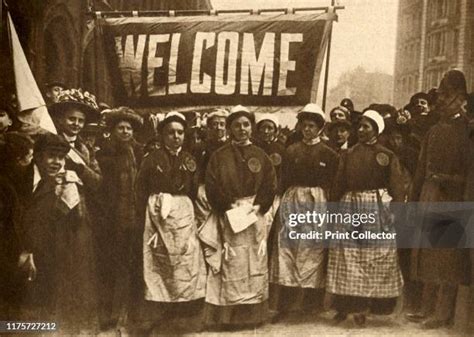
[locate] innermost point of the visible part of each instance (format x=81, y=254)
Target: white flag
x=31, y=104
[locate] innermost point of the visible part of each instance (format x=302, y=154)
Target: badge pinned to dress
x=254, y=165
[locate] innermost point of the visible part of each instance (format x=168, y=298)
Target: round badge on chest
x=254, y=165
x=382, y=159
x=190, y=164
x=275, y=158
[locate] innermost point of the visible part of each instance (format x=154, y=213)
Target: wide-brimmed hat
x=123, y=113
x=76, y=98
x=91, y=128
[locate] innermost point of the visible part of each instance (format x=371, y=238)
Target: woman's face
x=72, y=121
x=5, y=121
x=26, y=159
x=267, y=131
x=310, y=129
x=173, y=135
x=123, y=131
x=341, y=135
x=241, y=129
x=337, y=115
x=366, y=130
x=216, y=128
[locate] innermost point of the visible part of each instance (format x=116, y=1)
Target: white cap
x=268, y=117
x=218, y=113
x=377, y=118
x=314, y=109
x=239, y=108
x=176, y=114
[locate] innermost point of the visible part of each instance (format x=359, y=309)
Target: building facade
x=56, y=37
x=434, y=36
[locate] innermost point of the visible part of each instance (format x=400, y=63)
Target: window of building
x=455, y=43
x=437, y=44
x=439, y=9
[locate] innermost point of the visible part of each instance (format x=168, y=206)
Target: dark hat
x=51, y=142
x=91, y=128
x=76, y=98
x=239, y=111
x=114, y=116
x=385, y=110
x=17, y=144
x=55, y=83
x=173, y=116
x=419, y=95
x=391, y=125
x=454, y=82
x=347, y=103
x=340, y=123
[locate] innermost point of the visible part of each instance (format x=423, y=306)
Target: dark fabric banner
x=216, y=60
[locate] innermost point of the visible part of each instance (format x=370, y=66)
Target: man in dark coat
x=423, y=117
x=56, y=236
x=15, y=157
x=441, y=177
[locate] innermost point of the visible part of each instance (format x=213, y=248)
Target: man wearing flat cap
x=56, y=236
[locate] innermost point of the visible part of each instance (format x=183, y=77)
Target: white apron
x=174, y=268
x=238, y=272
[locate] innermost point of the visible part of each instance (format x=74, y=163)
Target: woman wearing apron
x=307, y=177
x=240, y=186
x=364, y=275
x=174, y=269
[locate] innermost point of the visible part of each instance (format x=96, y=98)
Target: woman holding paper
x=174, y=268
x=364, y=275
x=307, y=177
x=241, y=186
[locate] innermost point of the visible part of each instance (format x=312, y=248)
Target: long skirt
x=174, y=268
x=358, y=272
x=237, y=293
x=297, y=267
x=299, y=263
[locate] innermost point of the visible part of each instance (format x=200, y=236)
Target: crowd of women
x=101, y=231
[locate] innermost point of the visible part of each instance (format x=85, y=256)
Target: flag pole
x=328, y=57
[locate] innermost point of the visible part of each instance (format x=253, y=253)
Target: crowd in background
x=128, y=221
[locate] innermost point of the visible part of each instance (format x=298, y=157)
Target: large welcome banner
x=217, y=60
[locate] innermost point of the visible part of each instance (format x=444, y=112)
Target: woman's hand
x=27, y=265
